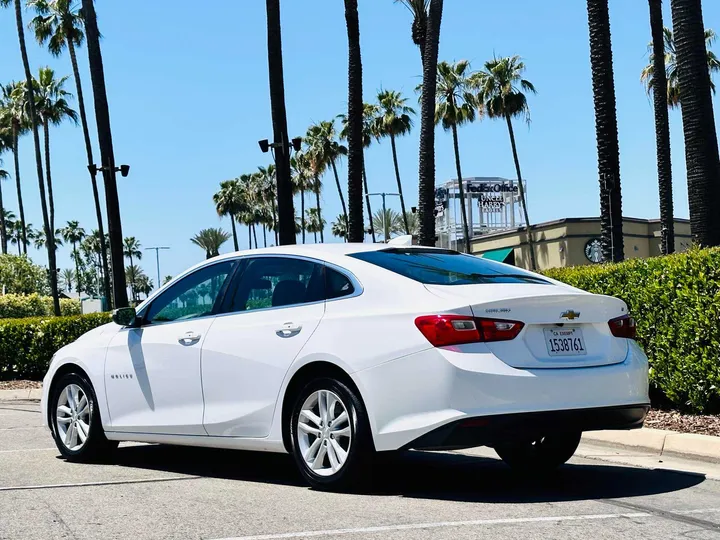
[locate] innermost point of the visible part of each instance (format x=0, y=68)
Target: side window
x=337, y=285
x=270, y=282
x=193, y=296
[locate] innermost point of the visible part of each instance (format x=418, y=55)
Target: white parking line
x=106, y=483
x=440, y=524
x=27, y=450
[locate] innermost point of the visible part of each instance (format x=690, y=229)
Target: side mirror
x=124, y=316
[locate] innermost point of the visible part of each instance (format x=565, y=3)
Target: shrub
x=676, y=301
x=27, y=345
x=19, y=306
x=19, y=275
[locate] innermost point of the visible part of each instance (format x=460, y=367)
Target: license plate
x=565, y=342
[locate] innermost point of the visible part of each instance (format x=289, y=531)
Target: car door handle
x=189, y=338
x=289, y=330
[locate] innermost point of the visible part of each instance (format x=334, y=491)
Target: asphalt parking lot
x=169, y=492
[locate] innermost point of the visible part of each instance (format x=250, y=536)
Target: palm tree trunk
x=286, y=226
x=3, y=228
x=302, y=214
x=93, y=174
x=662, y=130
x=340, y=193
x=51, y=201
x=132, y=279
x=426, y=183
x=49, y=234
x=399, y=184
x=356, y=230
x=317, y=205
x=255, y=235
x=77, y=269
x=367, y=201
x=606, y=130
x=102, y=117
x=234, y=233
x=461, y=189
x=523, y=200
x=21, y=207
x=264, y=235
x=249, y=236
x=701, y=147
x=275, y=224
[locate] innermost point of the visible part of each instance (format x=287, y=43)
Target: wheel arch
x=298, y=381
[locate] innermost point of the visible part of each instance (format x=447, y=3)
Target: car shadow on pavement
x=426, y=475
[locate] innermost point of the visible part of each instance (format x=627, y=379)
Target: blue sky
x=188, y=93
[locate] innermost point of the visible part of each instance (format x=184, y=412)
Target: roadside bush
x=27, y=345
x=18, y=306
x=676, y=301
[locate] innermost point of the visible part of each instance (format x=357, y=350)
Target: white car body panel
x=228, y=389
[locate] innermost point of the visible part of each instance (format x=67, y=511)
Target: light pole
x=157, y=260
x=385, y=223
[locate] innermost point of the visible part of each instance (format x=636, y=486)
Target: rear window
x=444, y=267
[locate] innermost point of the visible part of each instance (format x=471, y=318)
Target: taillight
x=623, y=327
x=444, y=330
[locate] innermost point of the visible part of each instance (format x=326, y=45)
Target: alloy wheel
x=324, y=433
x=73, y=417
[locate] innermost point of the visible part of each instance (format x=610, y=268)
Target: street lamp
x=157, y=260
x=385, y=223
x=294, y=144
x=124, y=170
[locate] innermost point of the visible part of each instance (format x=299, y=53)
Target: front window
x=445, y=267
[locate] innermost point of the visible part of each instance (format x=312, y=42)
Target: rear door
x=272, y=309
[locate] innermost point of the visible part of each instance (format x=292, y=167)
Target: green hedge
x=18, y=306
x=27, y=345
x=676, y=301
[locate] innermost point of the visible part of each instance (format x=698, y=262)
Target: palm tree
x=302, y=182
x=369, y=114
x=394, y=120
x=131, y=249
x=12, y=113
x=314, y=222
x=286, y=212
x=339, y=227
x=701, y=147
x=102, y=118
x=356, y=230
x=40, y=239
x=167, y=279
x=325, y=150
x=247, y=185
x=229, y=202
x=3, y=230
x=456, y=105
x=413, y=223
x=52, y=108
x=501, y=94
x=59, y=23
x=210, y=240
x=73, y=233
x=138, y=280
x=419, y=10
x=666, y=47
x=659, y=84
x=606, y=130
x=266, y=210
x=389, y=222
x=426, y=183
x=68, y=278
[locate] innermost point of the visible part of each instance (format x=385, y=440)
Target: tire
x=69, y=391
x=341, y=456
x=541, y=455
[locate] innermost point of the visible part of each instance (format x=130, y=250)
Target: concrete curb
x=21, y=395
x=660, y=442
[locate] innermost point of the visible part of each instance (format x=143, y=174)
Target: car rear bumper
x=413, y=396
x=503, y=428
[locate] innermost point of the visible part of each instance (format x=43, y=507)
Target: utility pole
x=386, y=232
x=157, y=260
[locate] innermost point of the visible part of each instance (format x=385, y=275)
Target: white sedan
x=336, y=353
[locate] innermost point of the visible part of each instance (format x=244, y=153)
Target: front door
x=272, y=310
x=152, y=373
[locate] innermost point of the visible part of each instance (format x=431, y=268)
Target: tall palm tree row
x=394, y=119
x=657, y=81
x=229, y=202
x=73, y=234
x=59, y=24
x=701, y=146
x=107, y=155
x=30, y=93
x=606, y=129
x=302, y=182
x=426, y=182
x=131, y=250
x=501, y=94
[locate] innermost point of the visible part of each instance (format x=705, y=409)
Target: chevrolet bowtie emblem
x=570, y=315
